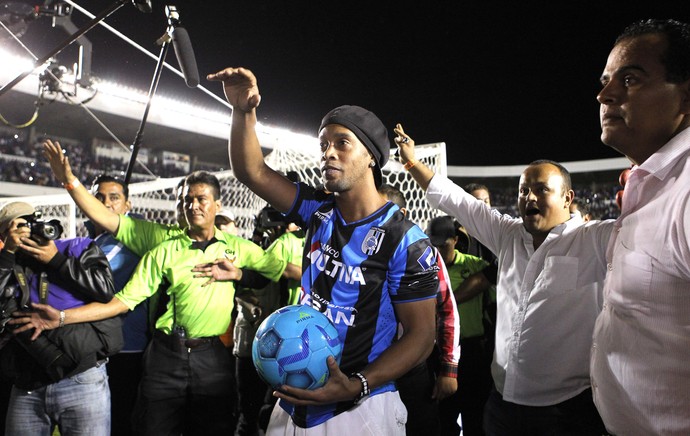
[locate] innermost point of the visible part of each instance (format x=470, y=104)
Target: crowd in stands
x=21, y=162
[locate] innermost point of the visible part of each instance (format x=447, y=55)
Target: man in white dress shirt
x=641, y=352
x=550, y=276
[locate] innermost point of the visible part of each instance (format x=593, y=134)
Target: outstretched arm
x=242, y=92
x=45, y=317
x=419, y=172
x=92, y=208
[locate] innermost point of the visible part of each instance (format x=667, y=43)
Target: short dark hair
x=567, y=183
x=206, y=178
x=393, y=194
x=222, y=220
x=583, y=205
x=471, y=187
x=104, y=178
x=676, y=59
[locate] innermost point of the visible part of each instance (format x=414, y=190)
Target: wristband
x=410, y=164
x=62, y=319
x=71, y=185
x=365, y=387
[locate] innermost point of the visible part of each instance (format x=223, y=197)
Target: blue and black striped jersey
x=355, y=273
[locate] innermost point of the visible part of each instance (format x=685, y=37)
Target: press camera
x=49, y=230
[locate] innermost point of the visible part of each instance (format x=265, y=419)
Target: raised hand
x=59, y=162
x=405, y=144
x=240, y=86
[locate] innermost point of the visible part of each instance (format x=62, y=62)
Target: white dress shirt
x=641, y=351
x=547, y=299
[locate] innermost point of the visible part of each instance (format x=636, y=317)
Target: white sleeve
x=480, y=221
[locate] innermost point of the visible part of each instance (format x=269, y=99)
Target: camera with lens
x=49, y=230
x=269, y=217
x=11, y=300
x=44, y=351
x=269, y=224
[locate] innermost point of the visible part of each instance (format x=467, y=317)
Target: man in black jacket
x=60, y=378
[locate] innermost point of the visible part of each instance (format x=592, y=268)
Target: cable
x=146, y=52
x=21, y=126
x=69, y=97
x=41, y=99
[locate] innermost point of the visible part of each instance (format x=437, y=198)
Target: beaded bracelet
x=365, y=387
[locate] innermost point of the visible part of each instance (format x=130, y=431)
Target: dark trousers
x=185, y=389
x=124, y=374
x=574, y=417
x=5, y=389
x=415, y=390
x=251, y=394
x=474, y=385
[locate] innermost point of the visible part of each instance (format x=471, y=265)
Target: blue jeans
x=79, y=405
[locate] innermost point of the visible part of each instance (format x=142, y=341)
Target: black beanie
x=368, y=128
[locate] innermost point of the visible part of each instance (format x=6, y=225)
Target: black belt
x=197, y=342
x=176, y=342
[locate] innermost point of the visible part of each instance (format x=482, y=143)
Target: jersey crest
x=373, y=240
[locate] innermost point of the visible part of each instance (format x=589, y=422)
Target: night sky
x=499, y=82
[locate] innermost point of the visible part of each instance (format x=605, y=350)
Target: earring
x=372, y=164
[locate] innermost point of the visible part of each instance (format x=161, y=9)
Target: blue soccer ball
x=292, y=345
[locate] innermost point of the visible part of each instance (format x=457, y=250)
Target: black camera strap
x=43, y=288
x=24, y=285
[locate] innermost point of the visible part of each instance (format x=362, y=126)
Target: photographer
x=60, y=378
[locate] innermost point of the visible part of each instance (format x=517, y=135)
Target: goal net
x=155, y=200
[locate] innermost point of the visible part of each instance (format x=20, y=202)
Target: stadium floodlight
x=14, y=64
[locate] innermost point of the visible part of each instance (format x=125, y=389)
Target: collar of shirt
x=660, y=163
x=201, y=245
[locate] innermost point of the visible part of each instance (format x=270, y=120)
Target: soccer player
x=365, y=266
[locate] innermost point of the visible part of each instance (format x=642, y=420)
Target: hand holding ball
x=291, y=347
